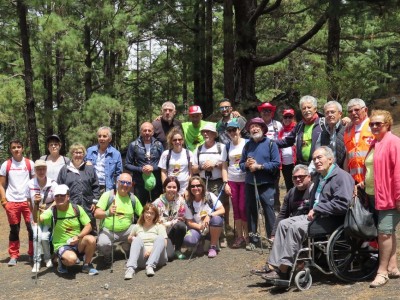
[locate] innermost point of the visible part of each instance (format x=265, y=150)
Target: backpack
x=169, y=158
x=28, y=166
x=65, y=161
x=201, y=147
x=208, y=201
x=77, y=214
x=111, y=200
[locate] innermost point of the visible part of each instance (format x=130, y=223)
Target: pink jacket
x=387, y=171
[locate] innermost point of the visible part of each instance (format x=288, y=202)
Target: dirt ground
x=224, y=277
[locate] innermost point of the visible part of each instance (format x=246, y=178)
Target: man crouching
x=71, y=228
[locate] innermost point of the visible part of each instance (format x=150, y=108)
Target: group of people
x=174, y=188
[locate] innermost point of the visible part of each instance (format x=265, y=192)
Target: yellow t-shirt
x=369, y=176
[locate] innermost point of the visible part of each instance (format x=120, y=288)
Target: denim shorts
x=387, y=221
x=64, y=248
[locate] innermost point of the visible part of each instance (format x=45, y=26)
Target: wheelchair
x=331, y=251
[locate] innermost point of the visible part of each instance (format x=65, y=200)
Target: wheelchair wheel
x=348, y=260
x=303, y=280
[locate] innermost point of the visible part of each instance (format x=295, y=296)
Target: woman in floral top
x=171, y=207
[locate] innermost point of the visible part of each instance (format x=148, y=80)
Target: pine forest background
x=68, y=67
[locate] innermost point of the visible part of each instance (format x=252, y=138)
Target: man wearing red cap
x=192, y=129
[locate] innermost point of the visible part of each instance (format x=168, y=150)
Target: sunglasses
x=196, y=186
x=288, y=117
x=231, y=129
x=301, y=177
x=177, y=140
x=123, y=182
x=376, y=124
x=222, y=108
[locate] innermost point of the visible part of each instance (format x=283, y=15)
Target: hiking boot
x=107, y=261
x=251, y=247
x=129, y=273
x=212, y=252
x=12, y=262
x=49, y=263
x=200, y=249
x=89, y=269
x=149, y=271
x=61, y=268
x=36, y=267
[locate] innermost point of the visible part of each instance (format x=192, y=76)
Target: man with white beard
x=260, y=160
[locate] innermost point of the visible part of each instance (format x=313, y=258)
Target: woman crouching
x=148, y=242
x=203, y=213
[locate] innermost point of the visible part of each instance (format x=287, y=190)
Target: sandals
x=264, y=270
x=394, y=274
x=380, y=280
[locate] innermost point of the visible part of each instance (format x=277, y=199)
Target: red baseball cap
x=287, y=112
x=195, y=109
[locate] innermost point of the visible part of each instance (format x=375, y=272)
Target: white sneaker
x=36, y=267
x=149, y=271
x=49, y=263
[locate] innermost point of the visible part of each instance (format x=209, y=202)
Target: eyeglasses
x=177, y=140
x=231, y=129
x=123, y=182
x=222, y=108
x=266, y=111
x=301, y=177
x=355, y=110
x=288, y=117
x=192, y=186
x=376, y=124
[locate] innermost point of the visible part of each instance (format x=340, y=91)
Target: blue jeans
x=267, y=193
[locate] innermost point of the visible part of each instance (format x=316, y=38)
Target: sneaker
x=12, y=262
x=49, y=263
x=129, y=273
x=223, y=243
x=149, y=271
x=212, y=252
x=36, y=267
x=179, y=255
x=89, y=269
x=61, y=268
x=251, y=247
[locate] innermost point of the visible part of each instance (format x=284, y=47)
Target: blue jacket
x=113, y=165
x=263, y=154
x=136, y=158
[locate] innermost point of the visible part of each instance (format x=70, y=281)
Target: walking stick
x=37, y=241
x=112, y=241
x=258, y=202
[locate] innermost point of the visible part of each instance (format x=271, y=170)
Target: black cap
x=53, y=137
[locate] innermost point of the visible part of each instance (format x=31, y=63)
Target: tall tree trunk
x=229, y=91
x=22, y=11
x=246, y=44
x=208, y=70
x=88, y=62
x=184, y=79
x=333, y=53
x=48, y=86
x=197, y=88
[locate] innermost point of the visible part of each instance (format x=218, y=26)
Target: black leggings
x=176, y=235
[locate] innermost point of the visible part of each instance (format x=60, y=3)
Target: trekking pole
x=258, y=202
x=207, y=174
x=36, y=242
x=212, y=210
x=112, y=241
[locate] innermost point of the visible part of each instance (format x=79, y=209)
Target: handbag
x=359, y=220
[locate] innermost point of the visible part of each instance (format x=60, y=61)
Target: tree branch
x=258, y=12
x=272, y=7
x=285, y=52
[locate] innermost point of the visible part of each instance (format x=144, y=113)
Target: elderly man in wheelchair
x=329, y=202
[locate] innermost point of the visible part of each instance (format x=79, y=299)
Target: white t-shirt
x=212, y=155
x=235, y=154
x=18, y=178
x=53, y=168
x=178, y=166
x=201, y=206
x=272, y=133
x=33, y=188
x=287, y=153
